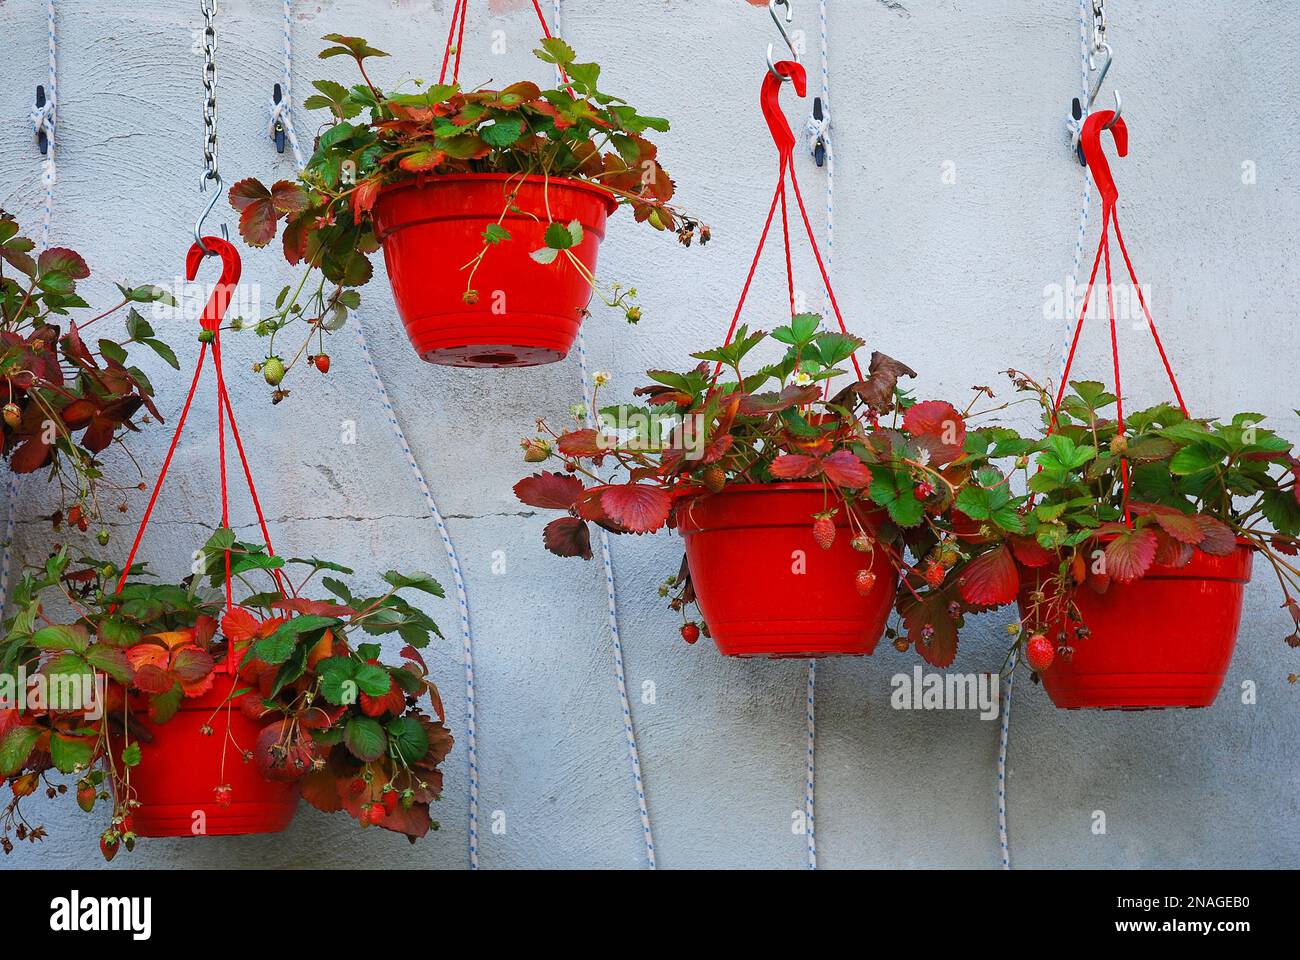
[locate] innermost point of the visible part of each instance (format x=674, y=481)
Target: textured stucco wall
x=948, y=276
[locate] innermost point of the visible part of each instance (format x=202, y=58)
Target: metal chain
x=1098, y=25
x=209, y=9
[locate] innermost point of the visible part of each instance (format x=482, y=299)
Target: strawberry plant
x=67, y=399
x=355, y=732
x=867, y=443
x=1056, y=502
x=374, y=139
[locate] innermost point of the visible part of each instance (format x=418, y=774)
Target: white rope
x=1009, y=681
x=1008, y=684
x=1085, y=202
x=453, y=560
x=819, y=131
x=45, y=120
x=282, y=112
x=471, y=713
x=611, y=591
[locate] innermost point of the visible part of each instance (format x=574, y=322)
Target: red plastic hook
x=1090, y=139
x=770, y=100
x=231, y=267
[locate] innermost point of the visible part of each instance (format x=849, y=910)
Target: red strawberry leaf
x=844, y=469
x=568, y=537
x=63, y=260
x=247, y=192
x=410, y=653
x=931, y=628
x=317, y=608
x=289, y=199
x=991, y=580
x=152, y=679
x=939, y=428
x=550, y=491
x=1218, y=538
x=1181, y=526
x=582, y=443
x=1293, y=608
x=1030, y=553
x=638, y=507
x=257, y=223
x=238, y=625
x=1130, y=555
x=765, y=404
x=791, y=466
x=1172, y=553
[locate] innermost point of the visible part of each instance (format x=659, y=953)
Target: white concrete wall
x=947, y=276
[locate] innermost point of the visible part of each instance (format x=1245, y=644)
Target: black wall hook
x=819, y=148
x=42, y=140
x=1076, y=111
x=277, y=133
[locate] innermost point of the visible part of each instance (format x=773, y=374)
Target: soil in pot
x=521, y=312
x=767, y=589
x=1164, y=640
x=181, y=767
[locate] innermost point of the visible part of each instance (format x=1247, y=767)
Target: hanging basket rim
x=427, y=181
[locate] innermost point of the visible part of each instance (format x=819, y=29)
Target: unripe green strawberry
x=273, y=371
x=13, y=415
x=85, y=795
x=535, y=450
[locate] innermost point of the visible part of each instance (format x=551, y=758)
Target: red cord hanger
x=784, y=138
x=1090, y=140
x=456, y=40
x=210, y=321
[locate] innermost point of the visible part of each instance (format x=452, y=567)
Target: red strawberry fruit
x=863, y=581
x=376, y=814
x=690, y=632
x=934, y=574
x=322, y=362
x=108, y=844
x=224, y=794
x=824, y=530
x=1039, y=652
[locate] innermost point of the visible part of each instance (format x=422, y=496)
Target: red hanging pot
x=526, y=313
x=764, y=586
x=1164, y=640
x=180, y=765
x=181, y=768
